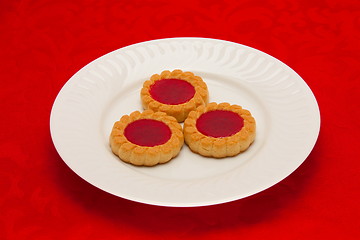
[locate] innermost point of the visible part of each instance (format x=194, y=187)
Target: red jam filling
x=147, y=132
x=219, y=123
x=172, y=91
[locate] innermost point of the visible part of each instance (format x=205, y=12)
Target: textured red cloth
x=43, y=43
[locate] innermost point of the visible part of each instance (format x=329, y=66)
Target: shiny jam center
x=147, y=132
x=219, y=123
x=172, y=91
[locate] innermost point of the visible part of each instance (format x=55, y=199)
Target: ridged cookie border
x=179, y=111
x=142, y=155
x=219, y=147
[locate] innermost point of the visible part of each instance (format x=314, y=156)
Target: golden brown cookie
x=219, y=130
x=176, y=93
x=146, y=138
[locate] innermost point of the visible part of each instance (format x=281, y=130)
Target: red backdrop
x=43, y=43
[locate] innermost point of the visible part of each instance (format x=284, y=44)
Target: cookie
x=176, y=93
x=146, y=139
x=219, y=130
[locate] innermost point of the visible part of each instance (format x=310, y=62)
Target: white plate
x=284, y=107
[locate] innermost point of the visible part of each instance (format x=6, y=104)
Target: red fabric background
x=43, y=43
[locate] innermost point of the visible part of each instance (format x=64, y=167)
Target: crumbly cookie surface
x=179, y=111
x=138, y=155
x=219, y=147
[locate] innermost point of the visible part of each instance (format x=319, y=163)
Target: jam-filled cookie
x=176, y=93
x=219, y=130
x=146, y=138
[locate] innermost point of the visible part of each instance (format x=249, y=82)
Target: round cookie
x=176, y=93
x=147, y=138
x=219, y=130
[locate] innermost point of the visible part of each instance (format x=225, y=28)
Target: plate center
x=188, y=165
